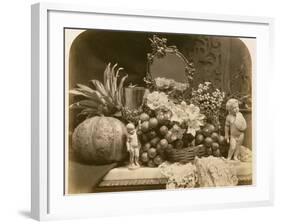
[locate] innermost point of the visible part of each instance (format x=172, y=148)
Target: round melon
x=100, y=140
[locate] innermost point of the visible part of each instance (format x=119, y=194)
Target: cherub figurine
x=235, y=125
x=133, y=146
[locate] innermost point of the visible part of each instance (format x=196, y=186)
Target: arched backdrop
x=225, y=61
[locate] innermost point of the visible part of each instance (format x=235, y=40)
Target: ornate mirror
x=167, y=62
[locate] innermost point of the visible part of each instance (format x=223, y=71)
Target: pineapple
x=105, y=99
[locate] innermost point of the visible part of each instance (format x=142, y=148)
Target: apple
x=150, y=163
x=215, y=136
x=208, y=129
x=199, y=139
x=152, y=134
x=159, y=150
x=158, y=160
x=153, y=123
x=221, y=140
x=168, y=136
x=144, y=117
x=146, y=147
x=215, y=146
x=160, y=118
x=211, y=128
x=145, y=126
x=208, y=142
x=163, y=130
x=154, y=141
x=152, y=153
x=164, y=143
x=144, y=157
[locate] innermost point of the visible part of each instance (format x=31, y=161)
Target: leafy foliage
x=105, y=98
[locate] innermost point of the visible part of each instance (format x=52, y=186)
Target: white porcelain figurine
x=133, y=146
x=235, y=125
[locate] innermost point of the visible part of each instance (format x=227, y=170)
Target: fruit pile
x=158, y=135
x=213, y=142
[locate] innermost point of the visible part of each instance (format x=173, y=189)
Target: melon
x=100, y=140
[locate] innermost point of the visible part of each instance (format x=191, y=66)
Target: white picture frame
x=48, y=200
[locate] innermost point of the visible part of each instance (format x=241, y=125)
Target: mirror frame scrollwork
x=160, y=50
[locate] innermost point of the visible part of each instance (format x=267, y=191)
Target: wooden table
x=82, y=178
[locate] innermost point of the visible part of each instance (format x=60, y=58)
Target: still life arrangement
x=193, y=134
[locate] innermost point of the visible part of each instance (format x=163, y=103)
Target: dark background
x=225, y=61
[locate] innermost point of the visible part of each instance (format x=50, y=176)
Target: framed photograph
x=162, y=111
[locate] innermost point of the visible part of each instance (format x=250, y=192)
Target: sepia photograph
x=156, y=111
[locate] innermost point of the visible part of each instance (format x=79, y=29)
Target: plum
x=153, y=123
x=146, y=147
x=208, y=142
x=155, y=141
x=215, y=146
x=215, y=136
x=144, y=117
x=164, y=143
x=199, y=139
x=163, y=130
x=158, y=160
x=145, y=126
x=152, y=153
x=144, y=157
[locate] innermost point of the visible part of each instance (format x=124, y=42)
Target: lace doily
x=179, y=175
x=214, y=171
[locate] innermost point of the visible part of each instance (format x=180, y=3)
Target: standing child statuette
x=235, y=125
x=133, y=146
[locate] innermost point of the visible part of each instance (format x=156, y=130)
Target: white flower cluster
x=157, y=100
x=180, y=86
x=208, y=99
x=189, y=115
x=177, y=131
x=163, y=84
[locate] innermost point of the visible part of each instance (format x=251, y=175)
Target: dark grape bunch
x=214, y=143
x=158, y=135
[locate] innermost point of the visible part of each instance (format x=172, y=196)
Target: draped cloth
x=84, y=178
